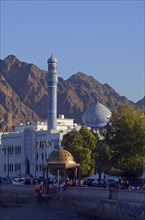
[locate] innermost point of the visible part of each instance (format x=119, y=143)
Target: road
x=39, y=212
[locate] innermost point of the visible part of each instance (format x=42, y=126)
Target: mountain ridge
x=29, y=85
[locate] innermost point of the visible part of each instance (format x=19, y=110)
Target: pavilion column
x=75, y=175
x=58, y=177
x=79, y=176
x=65, y=174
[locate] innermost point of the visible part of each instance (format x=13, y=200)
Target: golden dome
x=61, y=156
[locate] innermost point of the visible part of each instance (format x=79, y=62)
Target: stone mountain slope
x=28, y=86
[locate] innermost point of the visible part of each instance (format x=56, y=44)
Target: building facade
x=25, y=151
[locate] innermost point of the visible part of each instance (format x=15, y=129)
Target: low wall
x=106, y=203
x=17, y=195
x=109, y=204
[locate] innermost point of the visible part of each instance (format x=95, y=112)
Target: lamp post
x=8, y=151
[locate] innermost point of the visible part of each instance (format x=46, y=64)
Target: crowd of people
x=122, y=183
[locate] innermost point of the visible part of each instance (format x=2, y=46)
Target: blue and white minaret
x=52, y=81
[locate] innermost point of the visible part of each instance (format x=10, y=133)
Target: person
x=117, y=185
x=33, y=182
x=119, y=180
x=126, y=184
x=67, y=182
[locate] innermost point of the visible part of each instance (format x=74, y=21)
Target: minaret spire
x=52, y=81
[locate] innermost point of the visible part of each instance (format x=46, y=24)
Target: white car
x=18, y=181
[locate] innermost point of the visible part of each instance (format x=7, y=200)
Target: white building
x=27, y=149
x=61, y=125
x=24, y=151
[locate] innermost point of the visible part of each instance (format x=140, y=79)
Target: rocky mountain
x=23, y=91
x=141, y=103
x=11, y=103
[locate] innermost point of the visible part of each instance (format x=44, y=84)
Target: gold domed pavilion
x=60, y=159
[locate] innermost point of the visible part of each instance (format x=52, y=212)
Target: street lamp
x=8, y=151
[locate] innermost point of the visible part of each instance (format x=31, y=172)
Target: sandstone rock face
x=23, y=91
x=10, y=103
x=141, y=103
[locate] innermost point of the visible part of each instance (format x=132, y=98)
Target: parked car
x=90, y=181
x=18, y=181
x=111, y=182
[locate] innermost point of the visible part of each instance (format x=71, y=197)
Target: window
x=11, y=167
x=5, y=167
x=17, y=149
x=17, y=166
x=42, y=144
x=37, y=144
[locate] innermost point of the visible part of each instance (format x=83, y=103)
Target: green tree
x=123, y=147
x=82, y=145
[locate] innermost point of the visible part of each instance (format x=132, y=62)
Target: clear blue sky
x=104, y=39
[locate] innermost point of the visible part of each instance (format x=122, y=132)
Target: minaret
x=52, y=80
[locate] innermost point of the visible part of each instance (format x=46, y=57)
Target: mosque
x=25, y=151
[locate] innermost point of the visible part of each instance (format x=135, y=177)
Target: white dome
x=96, y=116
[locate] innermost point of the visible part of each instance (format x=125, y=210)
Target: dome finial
x=52, y=53
x=52, y=59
